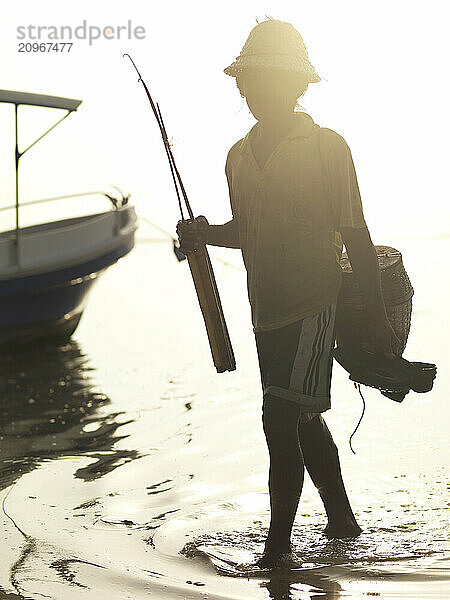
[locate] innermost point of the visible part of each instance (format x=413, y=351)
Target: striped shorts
x=295, y=362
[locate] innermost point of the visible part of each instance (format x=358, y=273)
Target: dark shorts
x=295, y=362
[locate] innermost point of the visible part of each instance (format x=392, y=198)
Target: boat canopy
x=18, y=98
x=13, y=97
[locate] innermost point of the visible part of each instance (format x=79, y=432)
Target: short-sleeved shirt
x=289, y=215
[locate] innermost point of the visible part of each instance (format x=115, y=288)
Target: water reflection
x=49, y=409
x=287, y=586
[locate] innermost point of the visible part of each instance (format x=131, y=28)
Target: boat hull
x=57, y=330
x=49, y=303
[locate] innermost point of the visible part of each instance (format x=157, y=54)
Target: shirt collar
x=303, y=128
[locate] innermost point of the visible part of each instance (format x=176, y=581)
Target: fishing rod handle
x=192, y=233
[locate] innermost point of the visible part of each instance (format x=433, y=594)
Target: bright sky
x=383, y=66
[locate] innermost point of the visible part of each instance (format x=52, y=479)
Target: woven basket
x=352, y=318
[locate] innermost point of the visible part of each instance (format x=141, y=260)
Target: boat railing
x=54, y=242
x=15, y=253
x=116, y=202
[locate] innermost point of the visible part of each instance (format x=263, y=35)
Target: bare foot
x=344, y=528
x=278, y=560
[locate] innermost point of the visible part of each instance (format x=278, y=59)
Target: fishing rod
x=199, y=261
x=173, y=168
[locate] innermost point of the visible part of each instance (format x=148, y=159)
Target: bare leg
x=280, y=422
x=322, y=463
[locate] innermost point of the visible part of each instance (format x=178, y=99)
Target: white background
x=384, y=82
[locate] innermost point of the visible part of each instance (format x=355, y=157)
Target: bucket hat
x=274, y=44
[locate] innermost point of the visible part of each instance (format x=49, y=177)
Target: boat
x=48, y=269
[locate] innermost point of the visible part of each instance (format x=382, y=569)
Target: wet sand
x=131, y=469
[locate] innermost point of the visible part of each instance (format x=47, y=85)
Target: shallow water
x=131, y=469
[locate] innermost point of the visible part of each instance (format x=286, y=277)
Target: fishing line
x=358, y=386
x=172, y=170
x=173, y=167
x=9, y=516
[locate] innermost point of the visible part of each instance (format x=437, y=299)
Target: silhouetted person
x=294, y=198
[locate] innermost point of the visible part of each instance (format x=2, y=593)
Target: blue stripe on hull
x=46, y=304
x=38, y=281
x=43, y=299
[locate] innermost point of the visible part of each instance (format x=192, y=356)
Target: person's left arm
x=350, y=222
x=363, y=259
